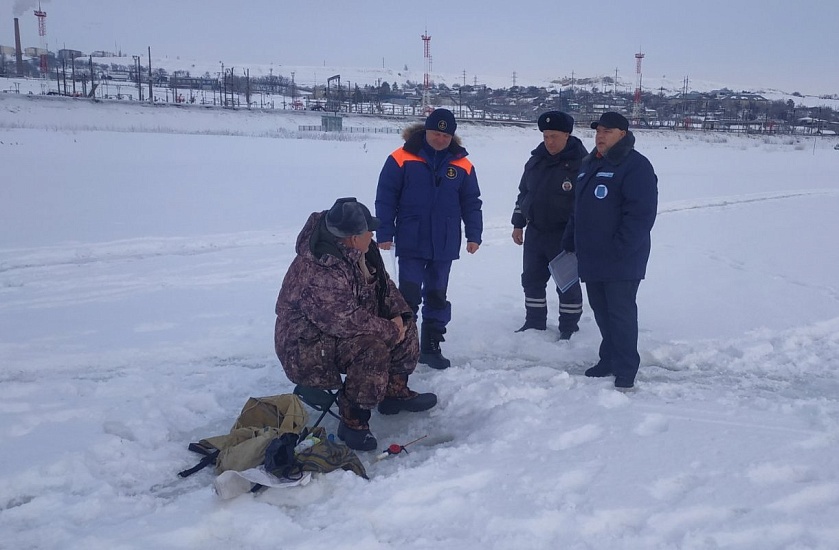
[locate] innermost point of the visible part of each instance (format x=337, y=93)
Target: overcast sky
x=739, y=43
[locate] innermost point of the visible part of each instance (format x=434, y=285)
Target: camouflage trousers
x=368, y=362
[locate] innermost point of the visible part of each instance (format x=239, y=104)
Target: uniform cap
x=441, y=120
x=611, y=120
x=556, y=120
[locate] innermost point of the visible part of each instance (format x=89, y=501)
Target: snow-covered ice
x=141, y=251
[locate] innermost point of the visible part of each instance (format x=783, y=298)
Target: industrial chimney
x=18, y=50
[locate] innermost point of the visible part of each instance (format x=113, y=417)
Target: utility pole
x=248, y=87
x=229, y=88
x=90, y=70
x=137, y=72
x=222, y=91
x=151, y=91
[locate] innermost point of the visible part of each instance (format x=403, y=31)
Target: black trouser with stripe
x=540, y=247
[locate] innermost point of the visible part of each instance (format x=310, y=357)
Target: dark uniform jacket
x=326, y=297
x=546, y=190
x=616, y=202
x=423, y=196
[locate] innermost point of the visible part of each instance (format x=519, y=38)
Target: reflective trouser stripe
x=571, y=308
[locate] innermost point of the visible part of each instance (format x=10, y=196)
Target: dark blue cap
x=441, y=120
x=611, y=120
x=556, y=120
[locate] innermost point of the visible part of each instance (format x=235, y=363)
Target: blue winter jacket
x=615, y=209
x=423, y=197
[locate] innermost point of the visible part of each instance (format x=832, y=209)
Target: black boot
x=599, y=370
x=430, y=353
x=535, y=325
x=354, y=429
x=566, y=334
x=401, y=398
x=536, y=316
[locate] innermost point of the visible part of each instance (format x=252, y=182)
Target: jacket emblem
x=451, y=173
x=605, y=175
x=601, y=191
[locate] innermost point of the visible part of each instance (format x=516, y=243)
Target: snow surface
x=141, y=251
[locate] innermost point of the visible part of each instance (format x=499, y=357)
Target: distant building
x=192, y=83
x=7, y=50
x=117, y=74
x=743, y=100
x=35, y=52
x=67, y=55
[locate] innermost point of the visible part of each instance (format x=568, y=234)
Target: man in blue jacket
x=616, y=202
x=427, y=192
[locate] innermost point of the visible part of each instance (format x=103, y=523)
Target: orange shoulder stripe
x=463, y=163
x=401, y=156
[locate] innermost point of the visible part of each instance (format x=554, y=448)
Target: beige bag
x=244, y=448
x=284, y=412
x=262, y=420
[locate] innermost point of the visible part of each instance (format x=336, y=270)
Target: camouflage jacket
x=325, y=297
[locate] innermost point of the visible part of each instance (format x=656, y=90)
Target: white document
x=563, y=269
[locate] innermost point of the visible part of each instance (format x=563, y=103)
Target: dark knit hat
x=348, y=217
x=441, y=120
x=556, y=120
x=611, y=120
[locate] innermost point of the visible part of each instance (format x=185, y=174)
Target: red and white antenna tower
x=426, y=82
x=636, y=107
x=42, y=33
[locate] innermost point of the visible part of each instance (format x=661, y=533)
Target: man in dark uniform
x=544, y=205
x=616, y=201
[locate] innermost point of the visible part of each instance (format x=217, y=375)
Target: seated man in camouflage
x=338, y=312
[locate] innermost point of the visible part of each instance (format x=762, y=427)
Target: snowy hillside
x=309, y=76
x=141, y=251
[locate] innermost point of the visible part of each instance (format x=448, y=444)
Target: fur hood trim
x=413, y=129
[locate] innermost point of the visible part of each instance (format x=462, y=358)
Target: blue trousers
x=616, y=313
x=540, y=247
x=425, y=282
